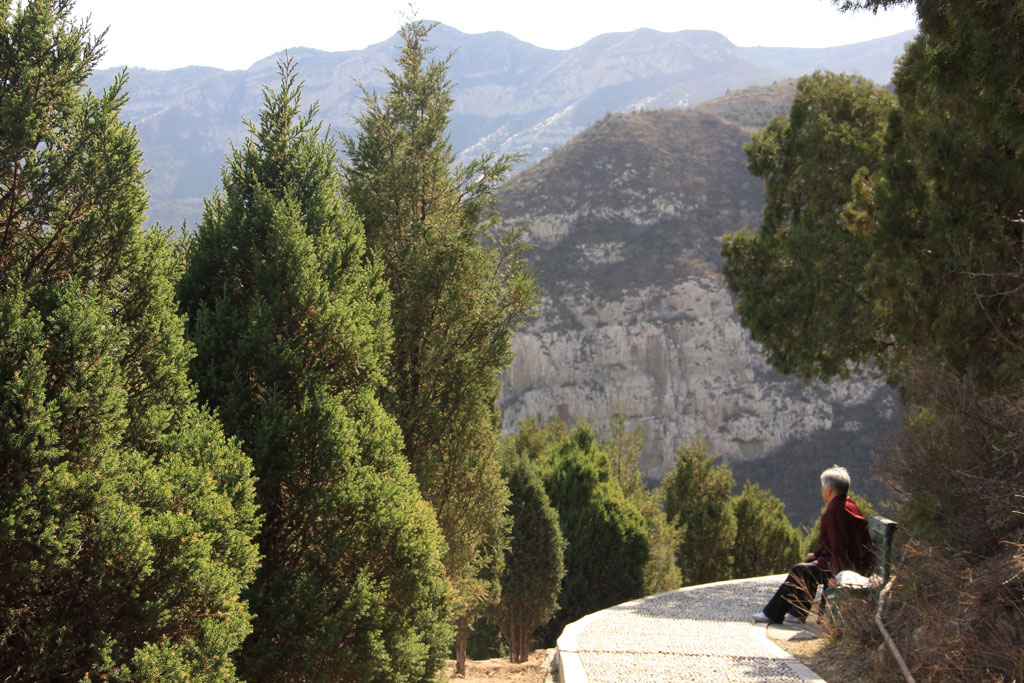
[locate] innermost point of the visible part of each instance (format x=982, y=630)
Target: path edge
x=570, y=667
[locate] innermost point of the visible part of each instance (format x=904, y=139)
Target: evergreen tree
x=974, y=52
x=943, y=215
x=456, y=298
x=291, y=330
x=800, y=278
x=661, y=573
x=697, y=503
x=766, y=543
x=892, y=225
x=936, y=222
x=534, y=565
x=127, y=516
x=607, y=546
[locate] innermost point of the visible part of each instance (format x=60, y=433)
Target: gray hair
x=837, y=478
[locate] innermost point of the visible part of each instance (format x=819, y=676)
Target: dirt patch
x=503, y=671
x=836, y=660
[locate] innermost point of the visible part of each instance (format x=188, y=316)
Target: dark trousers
x=797, y=592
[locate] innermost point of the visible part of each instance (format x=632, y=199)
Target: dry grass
x=834, y=660
x=959, y=620
x=950, y=623
x=957, y=607
x=501, y=670
x=850, y=649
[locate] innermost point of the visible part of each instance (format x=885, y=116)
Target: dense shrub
x=697, y=503
x=766, y=543
x=958, y=604
x=126, y=516
x=661, y=573
x=607, y=546
x=534, y=565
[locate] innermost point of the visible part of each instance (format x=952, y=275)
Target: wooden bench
x=882, y=530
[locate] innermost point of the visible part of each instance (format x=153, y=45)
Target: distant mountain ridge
x=510, y=96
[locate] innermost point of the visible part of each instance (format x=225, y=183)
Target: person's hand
x=832, y=582
x=809, y=557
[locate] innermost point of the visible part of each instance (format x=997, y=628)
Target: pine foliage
x=534, y=560
x=292, y=330
x=661, y=573
x=457, y=294
x=607, y=542
x=800, y=280
x=926, y=234
x=127, y=516
x=766, y=542
x=697, y=503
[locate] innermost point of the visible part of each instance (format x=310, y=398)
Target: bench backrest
x=882, y=530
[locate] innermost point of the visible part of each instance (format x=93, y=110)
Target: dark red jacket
x=845, y=540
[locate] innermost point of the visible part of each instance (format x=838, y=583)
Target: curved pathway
x=699, y=633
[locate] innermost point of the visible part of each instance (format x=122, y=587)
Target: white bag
x=851, y=579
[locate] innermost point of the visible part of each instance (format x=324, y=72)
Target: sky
x=233, y=34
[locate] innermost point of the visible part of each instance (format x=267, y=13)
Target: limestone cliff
x=635, y=317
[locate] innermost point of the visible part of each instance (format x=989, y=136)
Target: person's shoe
x=762, y=618
x=791, y=618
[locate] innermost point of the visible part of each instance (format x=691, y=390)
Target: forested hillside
x=271, y=447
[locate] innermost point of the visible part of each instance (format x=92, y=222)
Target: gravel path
x=701, y=633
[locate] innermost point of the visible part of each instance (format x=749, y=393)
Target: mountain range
x=510, y=96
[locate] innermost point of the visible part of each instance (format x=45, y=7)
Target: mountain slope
x=635, y=317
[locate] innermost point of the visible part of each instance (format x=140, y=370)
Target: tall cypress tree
x=534, y=561
x=606, y=537
x=126, y=516
x=766, y=543
x=456, y=298
x=291, y=329
x=697, y=503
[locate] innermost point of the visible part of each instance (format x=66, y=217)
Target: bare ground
x=839, y=659
x=503, y=671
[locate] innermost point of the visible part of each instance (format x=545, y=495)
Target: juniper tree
x=457, y=294
x=800, y=278
x=606, y=537
x=697, y=503
x=661, y=573
x=291, y=329
x=127, y=523
x=892, y=223
x=534, y=560
x=766, y=543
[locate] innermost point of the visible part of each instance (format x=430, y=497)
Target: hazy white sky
x=232, y=34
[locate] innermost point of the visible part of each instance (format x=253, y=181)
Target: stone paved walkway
x=701, y=633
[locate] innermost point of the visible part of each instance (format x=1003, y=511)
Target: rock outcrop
x=635, y=316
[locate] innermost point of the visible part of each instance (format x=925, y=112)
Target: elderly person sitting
x=845, y=544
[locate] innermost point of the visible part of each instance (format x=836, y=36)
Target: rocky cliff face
x=635, y=317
